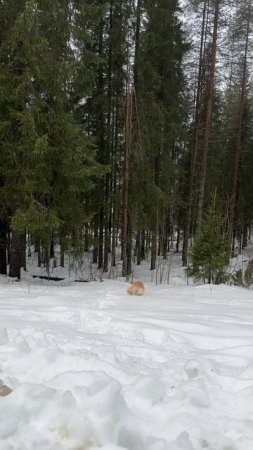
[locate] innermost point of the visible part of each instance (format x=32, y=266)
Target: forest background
x=126, y=124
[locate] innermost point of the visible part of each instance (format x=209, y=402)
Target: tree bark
x=194, y=147
x=208, y=118
x=100, y=238
x=238, y=144
x=125, y=212
x=15, y=254
x=23, y=251
x=3, y=247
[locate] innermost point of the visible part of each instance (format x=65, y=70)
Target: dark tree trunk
x=238, y=144
x=100, y=238
x=178, y=240
x=245, y=236
x=137, y=44
x=52, y=248
x=125, y=211
x=143, y=241
x=15, y=254
x=86, y=238
x=46, y=255
x=138, y=248
x=114, y=229
x=23, y=251
x=129, y=248
x=194, y=148
x=3, y=248
x=62, y=252
x=106, y=231
x=95, y=242
x=208, y=118
x=153, y=251
x=39, y=255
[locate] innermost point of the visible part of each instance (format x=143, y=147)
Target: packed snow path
x=93, y=368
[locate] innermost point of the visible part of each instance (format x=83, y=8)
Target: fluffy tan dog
x=136, y=288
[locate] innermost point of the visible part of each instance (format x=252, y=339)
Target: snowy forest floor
x=93, y=368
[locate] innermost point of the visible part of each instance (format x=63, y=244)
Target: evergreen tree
x=47, y=160
x=162, y=112
x=209, y=254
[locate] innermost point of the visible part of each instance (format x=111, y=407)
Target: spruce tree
x=47, y=159
x=209, y=254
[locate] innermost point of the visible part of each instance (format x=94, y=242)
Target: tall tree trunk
x=108, y=141
x=238, y=144
x=208, y=118
x=194, y=147
x=114, y=222
x=129, y=247
x=95, y=240
x=137, y=44
x=106, y=228
x=125, y=211
x=100, y=238
x=101, y=140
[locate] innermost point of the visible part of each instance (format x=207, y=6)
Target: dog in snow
x=136, y=288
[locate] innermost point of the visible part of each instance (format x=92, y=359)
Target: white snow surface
x=93, y=368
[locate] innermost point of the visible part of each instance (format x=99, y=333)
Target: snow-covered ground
x=93, y=368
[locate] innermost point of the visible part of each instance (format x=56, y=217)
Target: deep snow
x=93, y=368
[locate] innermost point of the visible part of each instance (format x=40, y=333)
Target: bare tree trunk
x=15, y=254
x=143, y=242
x=23, y=251
x=39, y=255
x=208, y=119
x=129, y=247
x=194, y=148
x=238, y=143
x=95, y=240
x=46, y=256
x=125, y=212
x=137, y=44
x=3, y=247
x=245, y=236
x=62, y=255
x=153, y=251
x=114, y=224
x=100, y=238
x=101, y=140
x=106, y=228
x=52, y=248
x=108, y=142
x=138, y=247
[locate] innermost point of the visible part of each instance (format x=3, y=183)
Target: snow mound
x=90, y=370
